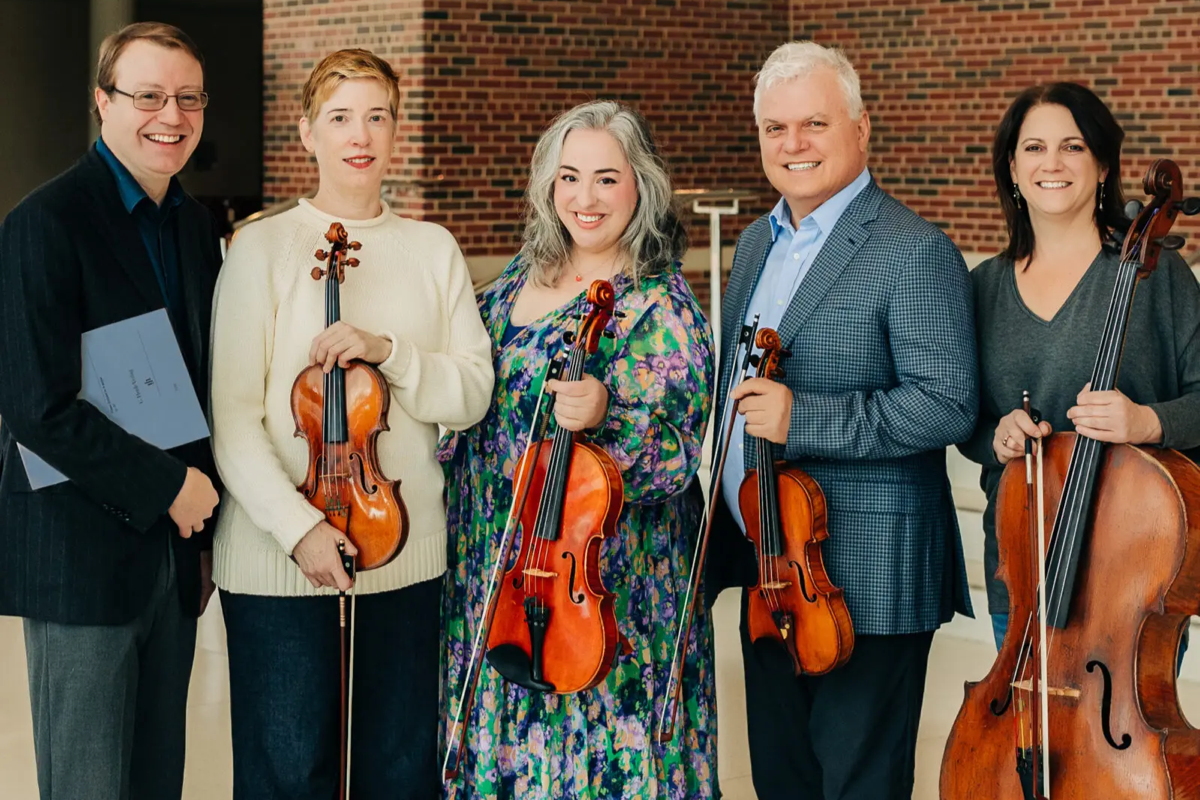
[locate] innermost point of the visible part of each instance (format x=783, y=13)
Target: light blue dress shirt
x=788, y=261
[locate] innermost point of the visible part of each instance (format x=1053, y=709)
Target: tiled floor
x=960, y=652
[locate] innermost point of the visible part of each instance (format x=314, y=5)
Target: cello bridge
x=539, y=573
x=1027, y=686
x=776, y=586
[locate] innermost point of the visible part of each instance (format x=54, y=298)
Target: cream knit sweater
x=412, y=288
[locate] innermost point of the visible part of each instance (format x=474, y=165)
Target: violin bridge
x=1026, y=686
x=539, y=573
x=776, y=585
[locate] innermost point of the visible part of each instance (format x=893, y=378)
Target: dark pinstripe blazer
x=884, y=377
x=87, y=551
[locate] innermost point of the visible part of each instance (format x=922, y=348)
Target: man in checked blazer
x=109, y=569
x=874, y=304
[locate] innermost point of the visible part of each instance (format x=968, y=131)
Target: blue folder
x=134, y=373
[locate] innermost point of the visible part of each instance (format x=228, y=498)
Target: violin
x=549, y=623
x=340, y=414
x=1100, y=552
x=793, y=604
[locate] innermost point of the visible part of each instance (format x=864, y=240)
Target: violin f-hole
x=368, y=487
x=576, y=598
x=1106, y=707
x=803, y=584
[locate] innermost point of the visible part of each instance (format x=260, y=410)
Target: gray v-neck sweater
x=1053, y=360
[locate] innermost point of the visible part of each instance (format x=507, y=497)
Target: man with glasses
x=111, y=568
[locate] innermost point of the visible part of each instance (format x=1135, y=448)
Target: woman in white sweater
x=409, y=309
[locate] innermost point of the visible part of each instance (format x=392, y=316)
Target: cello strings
x=1081, y=464
x=1088, y=451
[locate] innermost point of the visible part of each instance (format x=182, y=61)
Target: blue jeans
x=1000, y=626
x=284, y=678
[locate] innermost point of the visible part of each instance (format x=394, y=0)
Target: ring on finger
x=1005, y=442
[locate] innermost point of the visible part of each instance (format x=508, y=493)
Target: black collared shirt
x=159, y=227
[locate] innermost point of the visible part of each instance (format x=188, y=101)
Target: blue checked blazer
x=883, y=373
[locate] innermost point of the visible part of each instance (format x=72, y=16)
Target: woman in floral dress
x=600, y=207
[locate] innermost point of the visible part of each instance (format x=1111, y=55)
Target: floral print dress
x=599, y=743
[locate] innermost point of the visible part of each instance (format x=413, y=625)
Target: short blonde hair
x=345, y=65
x=798, y=60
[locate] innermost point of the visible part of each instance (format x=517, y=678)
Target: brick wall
x=937, y=77
x=482, y=79
x=297, y=34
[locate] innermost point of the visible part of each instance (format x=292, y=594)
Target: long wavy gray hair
x=655, y=237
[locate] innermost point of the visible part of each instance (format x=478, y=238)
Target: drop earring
x=1102, y=196
x=1016, y=194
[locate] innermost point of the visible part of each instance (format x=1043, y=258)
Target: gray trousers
x=110, y=701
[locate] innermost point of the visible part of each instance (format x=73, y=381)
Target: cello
x=549, y=623
x=1100, y=551
x=340, y=414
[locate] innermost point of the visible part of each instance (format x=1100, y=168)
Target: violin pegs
x=569, y=337
x=352, y=262
x=355, y=245
x=619, y=314
x=754, y=359
x=317, y=273
x=321, y=254
x=609, y=335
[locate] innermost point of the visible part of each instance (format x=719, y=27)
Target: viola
x=340, y=414
x=1100, y=552
x=549, y=623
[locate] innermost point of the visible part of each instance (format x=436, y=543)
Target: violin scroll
x=769, y=361
x=335, y=258
x=601, y=297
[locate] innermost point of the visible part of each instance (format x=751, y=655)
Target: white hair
x=798, y=60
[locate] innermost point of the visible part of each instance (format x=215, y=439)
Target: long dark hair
x=1103, y=135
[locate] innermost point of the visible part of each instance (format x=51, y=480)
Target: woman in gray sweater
x=1040, y=305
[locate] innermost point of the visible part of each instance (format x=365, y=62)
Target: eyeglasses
x=156, y=101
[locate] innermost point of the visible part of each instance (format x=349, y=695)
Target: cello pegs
x=1190, y=206
x=1170, y=242
x=317, y=273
